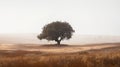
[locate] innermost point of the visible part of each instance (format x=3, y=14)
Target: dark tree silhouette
x=56, y=31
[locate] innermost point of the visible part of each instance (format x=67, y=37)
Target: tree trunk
x=58, y=42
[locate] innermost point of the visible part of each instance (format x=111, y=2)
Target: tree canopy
x=56, y=31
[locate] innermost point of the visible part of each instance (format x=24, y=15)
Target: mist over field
x=75, y=40
x=95, y=25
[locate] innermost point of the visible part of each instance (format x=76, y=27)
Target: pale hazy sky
x=99, y=17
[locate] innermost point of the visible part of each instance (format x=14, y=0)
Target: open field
x=94, y=55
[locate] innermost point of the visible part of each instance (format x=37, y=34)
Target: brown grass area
x=106, y=57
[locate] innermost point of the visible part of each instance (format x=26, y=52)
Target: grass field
x=104, y=57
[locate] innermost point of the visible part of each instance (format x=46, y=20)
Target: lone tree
x=56, y=31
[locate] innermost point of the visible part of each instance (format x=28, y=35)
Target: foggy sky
x=96, y=17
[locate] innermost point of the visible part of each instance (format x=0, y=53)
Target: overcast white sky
x=96, y=17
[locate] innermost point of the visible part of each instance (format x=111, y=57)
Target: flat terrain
x=56, y=49
x=33, y=55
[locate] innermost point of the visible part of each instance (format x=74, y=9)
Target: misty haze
x=75, y=40
x=59, y=33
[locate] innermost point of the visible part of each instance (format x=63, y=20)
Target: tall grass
x=86, y=59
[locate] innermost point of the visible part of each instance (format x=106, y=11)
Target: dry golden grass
x=109, y=57
x=105, y=57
